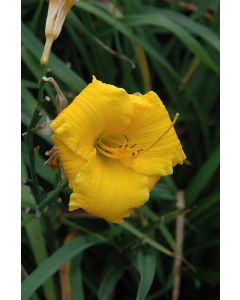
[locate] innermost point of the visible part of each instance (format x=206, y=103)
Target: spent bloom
x=114, y=147
x=57, y=11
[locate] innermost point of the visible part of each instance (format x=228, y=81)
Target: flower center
x=115, y=149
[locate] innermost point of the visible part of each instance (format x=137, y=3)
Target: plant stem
x=145, y=238
x=52, y=195
x=179, y=232
x=35, y=118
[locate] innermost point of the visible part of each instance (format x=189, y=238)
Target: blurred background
x=172, y=48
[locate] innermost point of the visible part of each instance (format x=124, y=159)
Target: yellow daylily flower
x=114, y=147
x=57, y=11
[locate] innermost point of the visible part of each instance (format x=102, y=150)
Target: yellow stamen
x=102, y=151
x=105, y=147
x=115, y=142
x=117, y=153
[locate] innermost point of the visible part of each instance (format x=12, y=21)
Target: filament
x=164, y=133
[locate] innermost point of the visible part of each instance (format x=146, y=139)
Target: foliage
x=164, y=46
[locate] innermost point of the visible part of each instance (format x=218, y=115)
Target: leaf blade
x=54, y=262
x=146, y=265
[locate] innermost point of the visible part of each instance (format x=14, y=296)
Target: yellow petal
x=149, y=122
x=99, y=109
x=71, y=162
x=107, y=189
x=152, y=180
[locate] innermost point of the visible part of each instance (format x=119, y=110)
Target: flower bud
x=57, y=11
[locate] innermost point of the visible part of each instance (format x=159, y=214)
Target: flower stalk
x=29, y=136
x=52, y=195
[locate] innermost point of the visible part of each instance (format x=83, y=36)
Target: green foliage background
x=175, y=50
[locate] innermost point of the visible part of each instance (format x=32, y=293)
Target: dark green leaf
x=146, y=264
x=54, y=262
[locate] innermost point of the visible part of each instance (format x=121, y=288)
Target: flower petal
x=152, y=180
x=107, y=189
x=99, y=109
x=151, y=120
x=70, y=161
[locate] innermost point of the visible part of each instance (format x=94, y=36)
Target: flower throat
x=116, y=150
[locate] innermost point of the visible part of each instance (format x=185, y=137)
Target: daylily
x=114, y=147
x=57, y=11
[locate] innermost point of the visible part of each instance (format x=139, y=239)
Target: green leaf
x=44, y=171
x=37, y=241
x=146, y=265
x=190, y=42
x=110, y=280
x=203, y=176
x=76, y=278
x=28, y=105
x=51, y=265
x=23, y=276
x=66, y=75
x=193, y=27
x=162, y=227
x=166, y=217
x=127, y=226
x=205, y=205
x=121, y=27
x=162, y=192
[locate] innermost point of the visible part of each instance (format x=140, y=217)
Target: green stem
x=35, y=119
x=52, y=195
x=127, y=226
x=83, y=229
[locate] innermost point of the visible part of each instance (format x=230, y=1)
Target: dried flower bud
x=53, y=160
x=61, y=99
x=44, y=128
x=57, y=11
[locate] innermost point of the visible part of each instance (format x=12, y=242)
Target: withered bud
x=57, y=11
x=53, y=160
x=61, y=99
x=44, y=128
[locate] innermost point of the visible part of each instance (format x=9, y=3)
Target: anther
x=118, y=151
